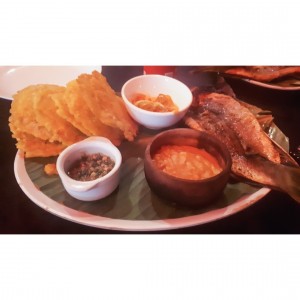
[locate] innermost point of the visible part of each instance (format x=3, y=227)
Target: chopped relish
x=161, y=103
x=91, y=167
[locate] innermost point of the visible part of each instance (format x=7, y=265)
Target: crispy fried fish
x=243, y=123
x=254, y=156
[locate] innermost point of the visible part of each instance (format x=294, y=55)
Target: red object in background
x=162, y=70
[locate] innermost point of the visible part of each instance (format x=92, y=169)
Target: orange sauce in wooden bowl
x=186, y=162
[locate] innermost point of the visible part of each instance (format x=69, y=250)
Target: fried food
x=46, y=118
x=45, y=109
x=76, y=98
x=244, y=124
x=107, y=107
x=63, y=111
x=254, y=156
x=264, y=73
x=50, y=169
x=23, y=117
x=35, y=125
x=35, y=147
x=258, y=73
x=93, y=107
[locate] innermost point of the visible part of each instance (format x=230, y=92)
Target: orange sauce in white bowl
x=161, y=103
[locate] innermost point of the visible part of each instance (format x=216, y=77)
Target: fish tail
x=277, y=176
x=288, y=180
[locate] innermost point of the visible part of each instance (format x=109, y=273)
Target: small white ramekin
x=94, y=189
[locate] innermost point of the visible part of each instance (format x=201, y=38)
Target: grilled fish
x=264, y=73
x=258, y=73
x=255, y=157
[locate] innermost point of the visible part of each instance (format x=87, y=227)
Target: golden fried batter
x=46, y=118
x=107, y=107
x=76, y=100
x=35, y=147
x=45, y=109
x=50, y=169
x=23, y=117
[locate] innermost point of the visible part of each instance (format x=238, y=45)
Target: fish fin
x=192, y=123
x=290, y=183
x=284, y=178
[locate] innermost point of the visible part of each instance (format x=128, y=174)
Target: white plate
x=15, y=78
x=85, y=218
x=273, y=86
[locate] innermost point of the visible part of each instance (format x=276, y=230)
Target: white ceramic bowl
x=94, y=189
x=153, y=85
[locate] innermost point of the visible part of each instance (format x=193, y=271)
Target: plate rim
x=83, y=218
x=5, y=69
x=271, y=86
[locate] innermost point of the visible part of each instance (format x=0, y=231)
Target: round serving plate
x=15, y=78
x=273, y=86
x=133, y=206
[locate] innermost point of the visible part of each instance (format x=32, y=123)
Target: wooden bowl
x=193, y=193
